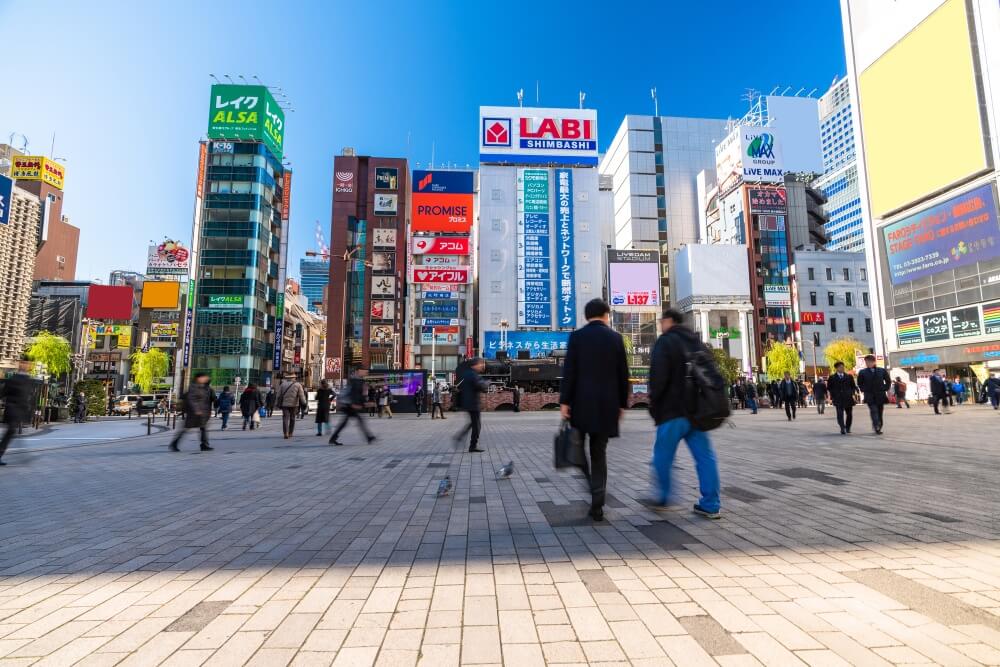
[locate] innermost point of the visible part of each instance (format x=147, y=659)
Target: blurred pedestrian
x=939, y=392
x=992, y=390
x=788, y=392
x=224, y=404
x=198, y=402
x=750, y=391
x=269, y=401
x=386, y=400
x=470, y=385
x=419, y=398
x=594, y=393
x=958, y=389
x=819, y=395
x=436, y=392
x=80, y=416
x=350, y=402
x=323, y=397
x=899, y=390
x=250, y=404
x=517, y=399
x=289, y=397
x=373, y=401
x=16, y=408
x=874, y=383
x=842, y=392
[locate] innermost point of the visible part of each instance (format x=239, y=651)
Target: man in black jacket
x=819, y=395
x=788, y=390
x=351, y=402
x=470, y=385
x=198, y=402
x=842, y=390
x=594, y=392
x=939, y=391
x=874, y=382
x=667, y=392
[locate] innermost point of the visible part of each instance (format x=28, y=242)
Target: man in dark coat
x=250, y=404
x=17, y=407
x=420, y=400
x=470, y=385
x=992, y=390
x=323, y=396
x=594, y=392
x=788, y=391
x=198, y=404
x=819, y=395
x=939, y=391
x=667, y=400
x=351, y=401
x=875, y=382
x=842, y=391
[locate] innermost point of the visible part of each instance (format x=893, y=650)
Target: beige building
x=303, y=339
x=17, y=265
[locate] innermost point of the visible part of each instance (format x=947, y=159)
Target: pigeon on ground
x=506, y=471
x=444, y=487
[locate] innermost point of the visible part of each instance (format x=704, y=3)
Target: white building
x=839, y=181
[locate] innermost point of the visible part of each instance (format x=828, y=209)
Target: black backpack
x=707, y=404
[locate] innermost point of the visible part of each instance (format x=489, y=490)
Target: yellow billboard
x=163, y=294
x=123, y=331
x=920, y=112
x=38, y=168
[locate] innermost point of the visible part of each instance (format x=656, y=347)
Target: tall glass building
x=315, y=274
x=839, y=181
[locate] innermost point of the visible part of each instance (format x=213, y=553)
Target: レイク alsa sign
x=516, y=135
x=247, y=113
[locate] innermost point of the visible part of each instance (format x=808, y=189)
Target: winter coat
x=874, y=383
x=323, y=397
x=198, y=405
x=250, y=401
x=595, y=379
x=17, y=399
x=668, y=371
x=290, y=395
x=470, y=386
x=225, y=401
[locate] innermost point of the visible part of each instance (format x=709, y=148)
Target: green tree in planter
x=147, y=366
x=96, y=396
x=781, y=358
x=729, y=367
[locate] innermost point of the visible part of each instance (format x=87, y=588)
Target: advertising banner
x=958, y=232
x=386, y=204
x=384, y=262
x=538, y=343
x=439, y=337
x=813, y=317
x=566, y=299
x=343, y=182
x=728, y=172
x=286, y=194
x=439, y=308
x=226, y=301
x=777, y=296
x=442, y=260
x=199, y=187
x=453, y=274
x=768, y=201
x=534, y=260
x=279, y=335
x=163, y=330
x=443, y=182
x=439, y=245
x=965, y=322
x=383, y=286
x=634, y=279
x=908, y=331
x=6, y=195
x=386, y=178
x=760, y=152
x=246, y=113
x=522, y=135
x=167, y=258
x=37, y=168
x=991, y=318
x=383, y=237
x=935, y=327
x=383, y=310
x=123, y=331
x=163, y=294
x=438, y=294
x=380, y=336
x=442, y=213
x=188, y=322
x=110, y=302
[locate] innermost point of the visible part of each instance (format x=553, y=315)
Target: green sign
x=227, y=301
x=246, y=113
x=536, y=190
x=280, y=307
x=726, y=332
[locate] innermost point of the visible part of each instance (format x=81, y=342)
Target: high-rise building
x=926, y=130
x=368, y=264
x=240, y=240
x=541, y=257
x=315, y=276
x=20, y=212
x=839, y=182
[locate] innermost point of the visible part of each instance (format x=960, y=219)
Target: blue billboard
x=566, y=294
x=6, y=194
x=446, y=309
x=534, y=257
x=442, y=182
x=538, y=343
x=960, y=231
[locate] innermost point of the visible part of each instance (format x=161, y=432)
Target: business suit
x=939, y=393
x=842, y=390
x=875, y=383
x=595, y=387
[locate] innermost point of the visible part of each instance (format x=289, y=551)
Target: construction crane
x=324, y=250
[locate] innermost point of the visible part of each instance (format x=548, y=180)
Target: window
x=868, y=325
x=847, y=273
x=812, y=273
x=863, y=273
x=864, y=299
x=848, y=298
x=833, y=325
x=830, y=298
x=850, y=324
x=829, y=273
x=812, y=298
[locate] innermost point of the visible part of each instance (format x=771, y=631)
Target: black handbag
x=568, y=446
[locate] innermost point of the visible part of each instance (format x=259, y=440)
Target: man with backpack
x=678, y=357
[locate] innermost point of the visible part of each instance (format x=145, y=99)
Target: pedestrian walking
x=470, y=385
x=842, y=390
x=594, y=393
x=16, y=408
x=775, y=394
x=269, y=402
x=820, y=392
x=198, y=402
x=939, y=392
x=874, y=383
x=992, y=390
x=517, y=399
x=419, y=399
x=899, y=391
x=436, y=392
x=250, y=404
x=739, y=395
x=289, y=397
x=788, y=392
x=323, y=397
x=386, y=399
x=373, y=408
x=958, y=389
x=350, y=402
x=80, y=414
x=750, y=391
x=224, y=405
x=667, y=400
x=803, y=394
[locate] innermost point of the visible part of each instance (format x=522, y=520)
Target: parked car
x=125, y=403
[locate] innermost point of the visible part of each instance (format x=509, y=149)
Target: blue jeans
x=752, y=404
x=668, y=435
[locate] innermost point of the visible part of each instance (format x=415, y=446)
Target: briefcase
x=568, y=446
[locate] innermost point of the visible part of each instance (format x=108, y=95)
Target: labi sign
x=761, y=155
x=246, y=113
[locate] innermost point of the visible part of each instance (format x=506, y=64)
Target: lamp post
x=504, y=324
x=815, y=368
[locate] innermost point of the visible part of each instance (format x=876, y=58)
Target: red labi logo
x=497, y=133
x=424, y=182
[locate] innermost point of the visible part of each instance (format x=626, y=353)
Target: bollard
x=149, y=425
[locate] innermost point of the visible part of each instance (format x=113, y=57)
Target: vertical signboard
x=566, y=298
x=279, y=329
x=534, y=270
x=6, y=194
x=188, y=322
x=286, y=194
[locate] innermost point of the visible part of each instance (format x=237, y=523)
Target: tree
x=147, y=366
x=843, y=349
x=781, y=358
x=729, y=367
x=95, y=396
x=52, y=351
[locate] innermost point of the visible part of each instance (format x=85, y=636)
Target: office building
x=315, y=276
x=20, y=213
x=928, y=69
x=839, y=182
x=240, y=240
x=364, y=320
x=541, y=257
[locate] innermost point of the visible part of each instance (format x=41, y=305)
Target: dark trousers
x=901, y=400
x=351, y=413
x=180, y=434
x=939, y=400
x=436, y=407
x=7, y=437
x=790, y=408
x=288, y=416
x=995, y=399
x=474, y=425
x=876, y=410
x=420, y=407
x=597, y=471
x=845, y=416
x=820, y=405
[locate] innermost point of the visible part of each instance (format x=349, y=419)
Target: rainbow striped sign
x=908, y=331
x=991, y=318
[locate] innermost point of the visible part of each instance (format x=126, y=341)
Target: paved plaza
x=832, y=550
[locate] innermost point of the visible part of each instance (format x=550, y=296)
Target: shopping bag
x=568, y=446
x=262, y=412
x=256, y=417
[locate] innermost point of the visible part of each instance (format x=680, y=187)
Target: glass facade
x=839, y=181
x=315, y=275
x=238, y=256
x=775, y=280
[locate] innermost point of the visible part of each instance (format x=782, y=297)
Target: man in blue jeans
x=666, y=404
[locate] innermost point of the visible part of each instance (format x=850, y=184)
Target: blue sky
x=124, y=86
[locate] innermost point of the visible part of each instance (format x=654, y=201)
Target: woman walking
x=250, y=404
x=323, y=397
x=385, y=401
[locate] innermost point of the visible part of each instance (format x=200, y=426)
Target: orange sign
x=434, y=212
x=202, y=163
x=286, y=194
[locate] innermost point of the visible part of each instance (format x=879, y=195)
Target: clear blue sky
x=124, y=86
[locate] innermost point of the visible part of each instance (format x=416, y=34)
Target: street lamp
x=504, y=325
x=813, y=343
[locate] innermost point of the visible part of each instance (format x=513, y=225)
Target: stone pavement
x=832, y=550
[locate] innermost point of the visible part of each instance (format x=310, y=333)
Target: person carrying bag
x=290, y=398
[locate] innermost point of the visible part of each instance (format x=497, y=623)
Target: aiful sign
x=517, y=135
x=246, y=113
